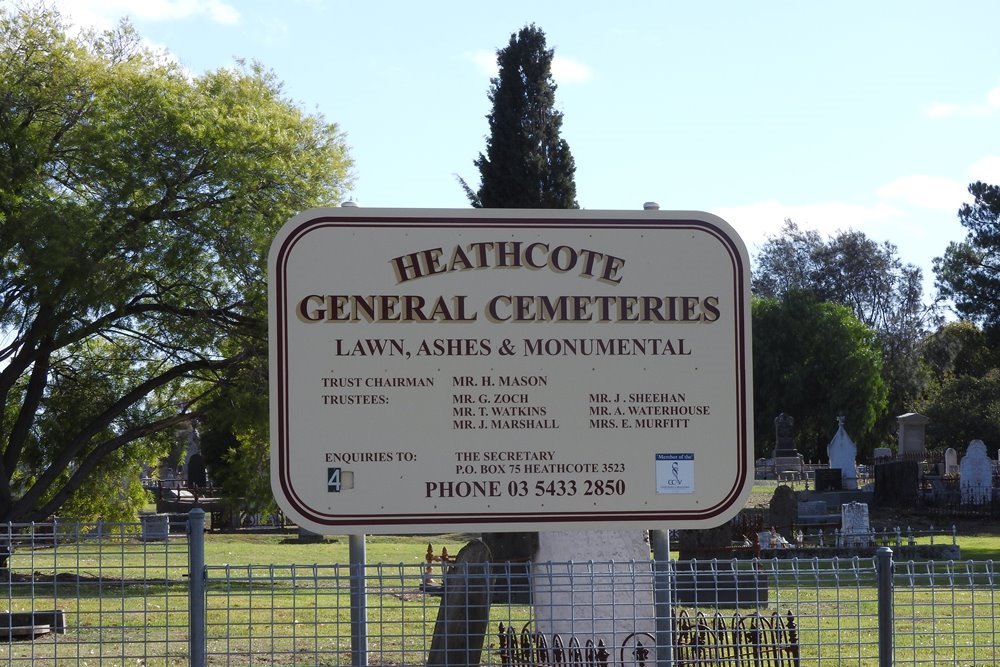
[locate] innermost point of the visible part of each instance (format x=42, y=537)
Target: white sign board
x=491, y=370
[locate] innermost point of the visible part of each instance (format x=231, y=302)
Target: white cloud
x=485, y=62
x=942, y=110
x=564, y=70
x=988, y=107
x=933, y=192
x=104, y=14
x=755, y=222
x=986, y=169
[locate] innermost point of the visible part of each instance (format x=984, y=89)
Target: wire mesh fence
x=90, y=594
x=828, y=613
x=103, y=594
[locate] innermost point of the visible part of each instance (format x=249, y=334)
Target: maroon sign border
x=410, y=220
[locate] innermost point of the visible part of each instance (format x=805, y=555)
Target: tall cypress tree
x=527, y=164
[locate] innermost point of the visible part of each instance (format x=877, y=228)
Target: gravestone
x=828, y=479
x=897, y=484
x=605, y=590
x=464, y=612
x=950, y=462
x=911, y=433
x=882, y=454
x=855, y=530
x=813, y=512
x=784, y=508
x=976, y=475
x=786, y=461
x=784, y=433
x=842, y=453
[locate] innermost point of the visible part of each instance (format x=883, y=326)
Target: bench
x=751, y=640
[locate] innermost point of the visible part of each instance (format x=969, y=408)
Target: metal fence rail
x=114, y=594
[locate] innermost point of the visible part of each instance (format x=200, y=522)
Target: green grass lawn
x=127, y=604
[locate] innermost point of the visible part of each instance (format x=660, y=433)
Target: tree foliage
x=527, y=164
x=814, y=361
x=869, y=278
x=235, y=441
x=958, y=349
x=848, y=268
x=963, y=402
x=969, y=271
x=136, y=205
x=966, y=408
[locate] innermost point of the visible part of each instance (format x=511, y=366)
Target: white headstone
x=882, y=453
x=912, y=428
x=842, y=453
x=951, y=461
x=976, y=471
x=764, y=538
x=606, y=591
x=855, y=530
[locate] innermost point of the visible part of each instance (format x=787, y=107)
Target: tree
x=963, y=403
x=527, y=164
x=814, y=361
x=969, y=271
x=959, y=349
x=136, y=204
x=882, y=292
x=235, y=441
x=966, y=408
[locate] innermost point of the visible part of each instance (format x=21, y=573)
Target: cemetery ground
x=400, y=614
x=823, y=621
x=979, y=537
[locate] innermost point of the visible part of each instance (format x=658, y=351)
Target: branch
x=86, y=467
x=75, y=446
x=26, y=416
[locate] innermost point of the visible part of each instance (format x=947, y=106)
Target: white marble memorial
x=842, y=453
x=950, y=462
x=606, y=590
x=855, y=530
x=882, y=453
x=976, y=471
x=912, y=428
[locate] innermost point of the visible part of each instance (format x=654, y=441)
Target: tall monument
x=784, y=431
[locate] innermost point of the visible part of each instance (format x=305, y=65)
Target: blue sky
x=864, y=115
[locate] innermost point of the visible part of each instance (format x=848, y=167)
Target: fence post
x=662, y=603
x=884, y=567
x=357, y=552
x=196, y=587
